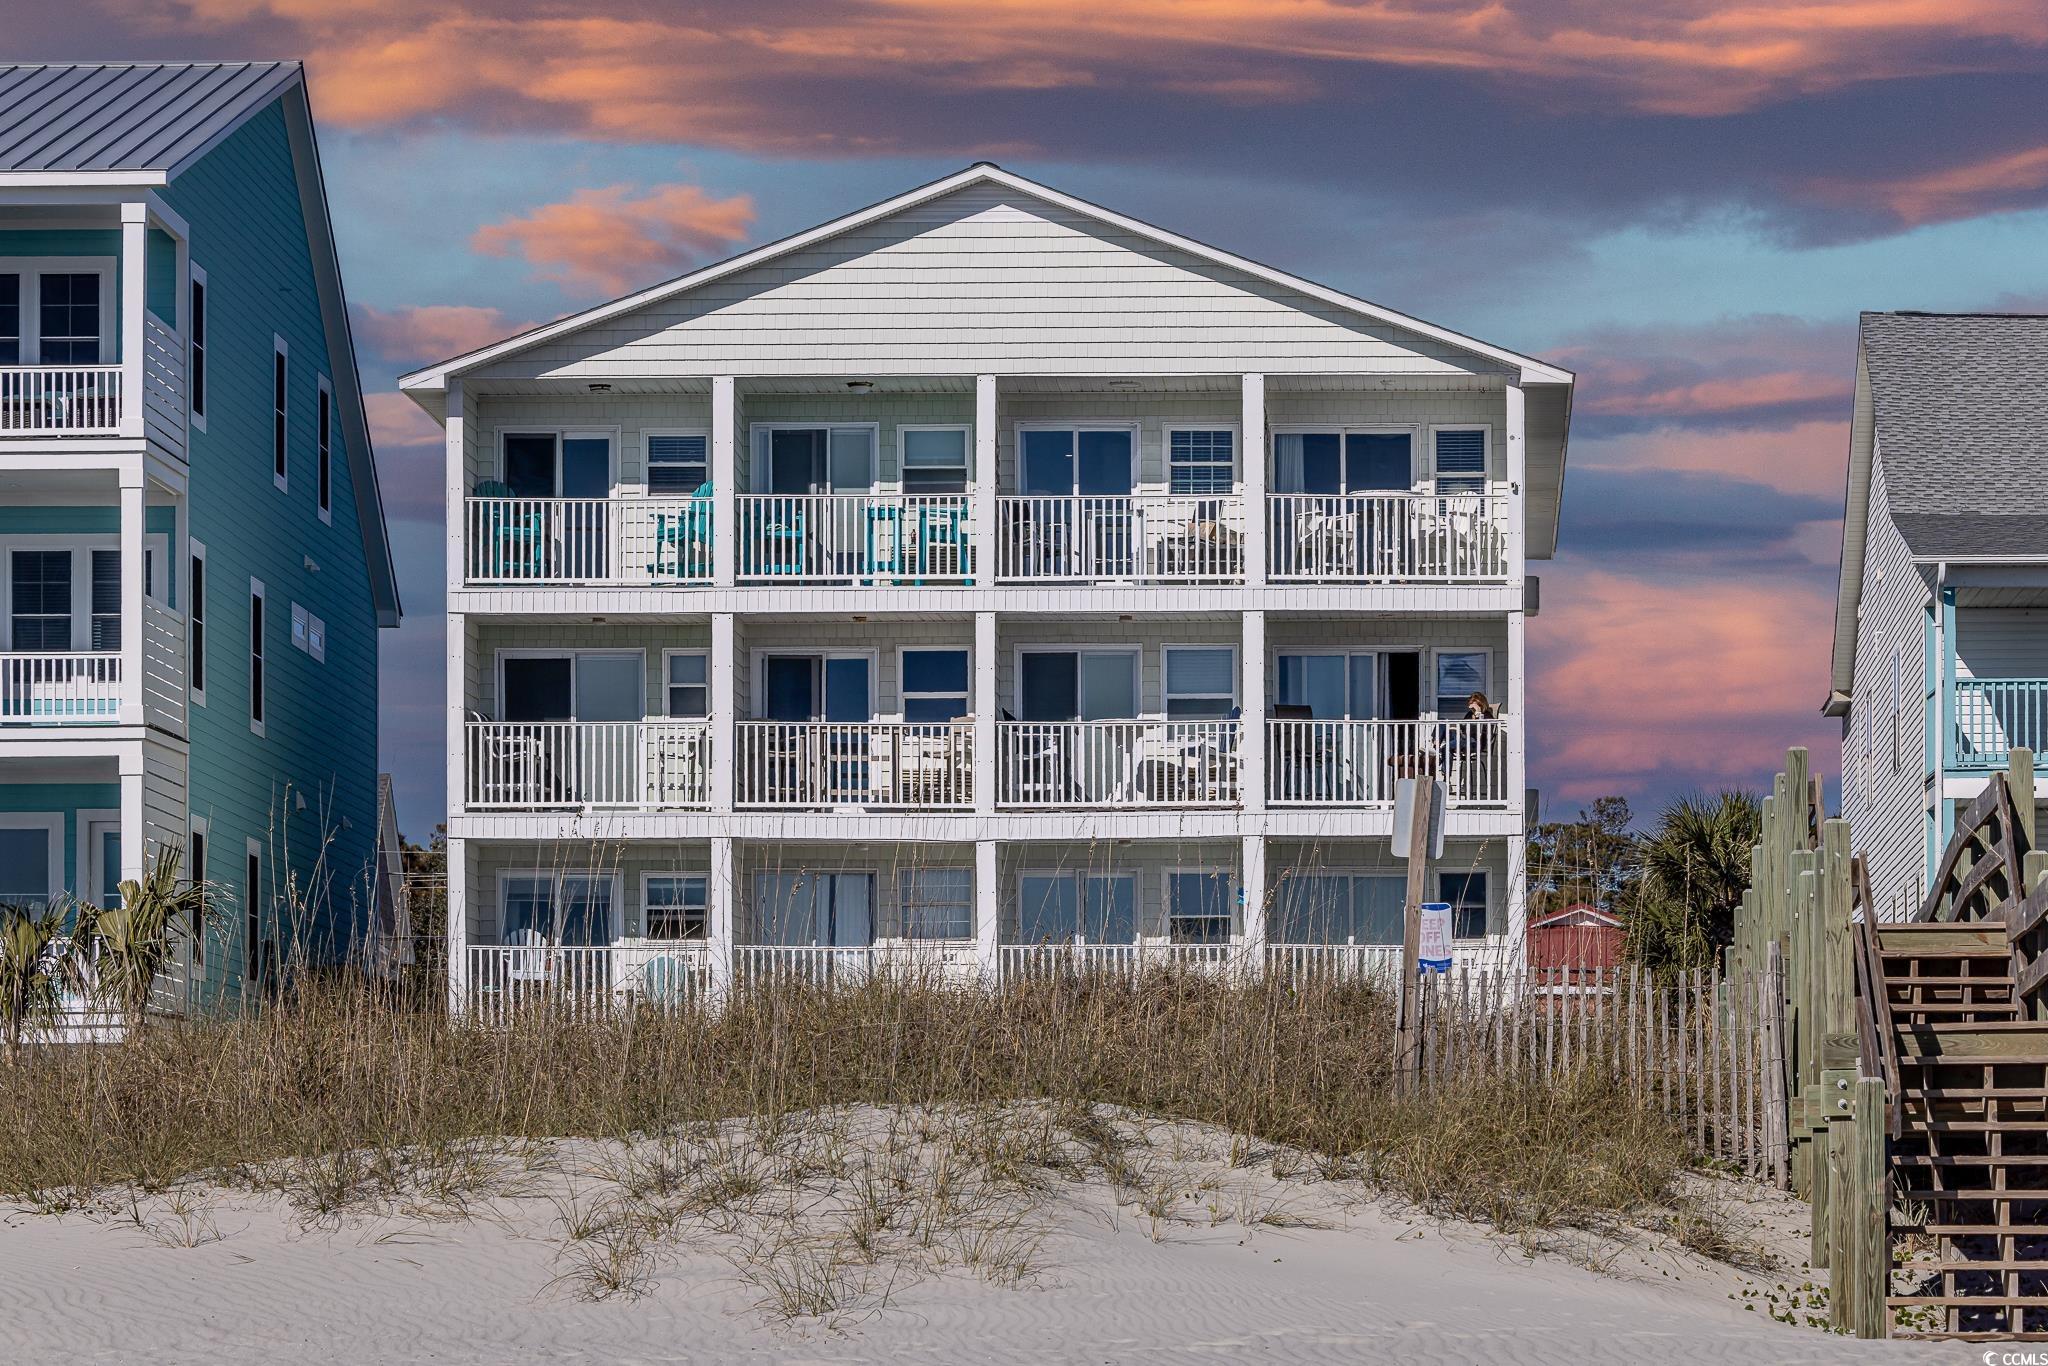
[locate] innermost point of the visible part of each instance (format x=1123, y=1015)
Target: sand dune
x=1197, y=1274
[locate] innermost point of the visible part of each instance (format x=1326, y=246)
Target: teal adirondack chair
x=686, y=531
x=514, y=539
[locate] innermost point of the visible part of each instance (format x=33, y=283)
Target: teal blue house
x=193, y=558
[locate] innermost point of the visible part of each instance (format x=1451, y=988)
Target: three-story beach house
x=985, y=578
x=1941, y=622
x=193, y=565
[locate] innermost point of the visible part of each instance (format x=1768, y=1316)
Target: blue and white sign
x=1435, y=950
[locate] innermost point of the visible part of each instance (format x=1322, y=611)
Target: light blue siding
x=320, y=741
x=160, y=288
x=69, y=798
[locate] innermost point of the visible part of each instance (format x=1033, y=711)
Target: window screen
x=1461, y=461
x=41, y=600
x=938, y=903
x=1201, y=462
x=70, y=319
x=935, y=460
x=689, y=692
x=677, y=907
x=677, y=465
x=106, y=600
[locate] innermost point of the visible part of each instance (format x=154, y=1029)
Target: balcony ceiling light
x=599, y=387
x=1125, y=384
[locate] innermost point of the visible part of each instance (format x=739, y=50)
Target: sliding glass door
x=1065, y=908
x=834, y=910
x=575, y=467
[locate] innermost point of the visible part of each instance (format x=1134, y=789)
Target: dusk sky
x=1687, y=202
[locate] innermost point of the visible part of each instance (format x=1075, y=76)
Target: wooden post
x=1408, y=1042
x=1834, y=1246
x=2019, y=780
x=1870, y=1186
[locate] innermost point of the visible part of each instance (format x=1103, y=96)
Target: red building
x=1577, y=938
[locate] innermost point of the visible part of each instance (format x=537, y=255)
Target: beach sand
x=1202, y=1253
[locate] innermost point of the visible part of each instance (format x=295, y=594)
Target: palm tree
x=130, y=945
x=35, y=966
x=1695, y=868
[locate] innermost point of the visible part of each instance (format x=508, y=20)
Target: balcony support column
x=1252, y=458
x=981, y=511
x=1516, y=737
x=725, y=471
x=1251, y=730
x=134, y=300
x=455, y=464
x=987, y=910
x=724, y=706
x=1252, y=891
x=458, y=925
x=132, y=519
x=456, y=681
x=1513, y=435
x=984, y=702
x=132, y=764
x=718, y=929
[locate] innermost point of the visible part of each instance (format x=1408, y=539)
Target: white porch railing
x=1306, y=963
x=825, y=965
x=1993, y=717
x=1135, y=538
x=582, y=981
x=887, y=764
x=1388, y=537
x=1358, y=763
x=163, y=667
x=163, y=382
x=60, y=400
x=60, y=689
x=1043, y=962
x=1116, y=764
x=866, y=538
x=648, y=765
x=625, y=541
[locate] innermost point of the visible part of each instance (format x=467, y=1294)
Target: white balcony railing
x=1116, y=764
x=626, y=541
x=1128, y=538
x=60, y=400
x=529, y=765
x=1387, y=537
x=873, y=764
x=582, y=981
x=1358, y=763
x=60, y=689
x=861, y=538
x=1043, y=962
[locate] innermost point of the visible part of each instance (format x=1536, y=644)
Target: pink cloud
x=1633, y=681
x=396, y=420
x=606, y=241
x=413, y=336
x=1809, y=458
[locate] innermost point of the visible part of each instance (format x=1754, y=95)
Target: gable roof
x=1948, y=405
x=142, y=124
x=435, y=377
x=127, y=116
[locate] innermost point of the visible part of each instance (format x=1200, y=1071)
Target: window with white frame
x=678, y=906
x=1460, y=674
x=1460, y=454
x=935, y=685
x=1200, y=906
x=56, y=311
x=31, y=858
x=1898, y=705
x=1340, y=908
x=39, y=600
x=678, y=463
x=688, y=684
x=256, y=679
x=1063, y=907
x=280, y=409
x=937, y=903
x=1466, y=893
x=324, y=447
x=299, y=616
x=934, y=459
x=195, y=340
x=195, y=870
x=316, y=638
x=195, y=632
x=1201, y=460
x=1201, y=682
x=106, y=600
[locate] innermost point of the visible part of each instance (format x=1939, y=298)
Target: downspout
x=1944, y=708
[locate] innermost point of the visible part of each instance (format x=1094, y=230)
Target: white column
x=134, y=300
x=724, y=709
x=456, y=682
x=987, y=909
x=984, y=702
x=132, y=526
x=1252, y=461
x=133, y=855
x=725, y=469
x=1252, y=886
x=1517, y=471
x=1251, y=733
x=181, y=309
x=1517, y=902
x=458, y=926
x=1516, y=716
x=719, y=927
x=982, y=512
x=455, y=432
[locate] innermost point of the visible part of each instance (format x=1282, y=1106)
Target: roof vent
x=860, y=386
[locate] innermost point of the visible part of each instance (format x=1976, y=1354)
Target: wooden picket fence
x=1705, y=1046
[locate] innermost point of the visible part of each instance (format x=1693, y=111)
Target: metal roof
x=110, y=117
